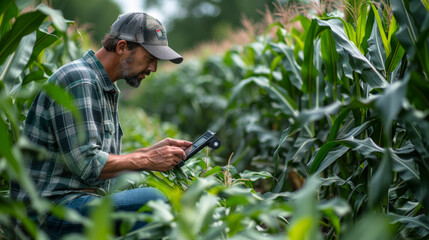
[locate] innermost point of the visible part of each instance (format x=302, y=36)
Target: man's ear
x=121, y=47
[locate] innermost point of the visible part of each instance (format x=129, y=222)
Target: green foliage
x=89, y=16
x=29, y=54
x=343, y=100
x=199, y=21
x=328, y=125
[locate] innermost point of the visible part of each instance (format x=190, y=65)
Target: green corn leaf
x=34, y=76
x=307, y=116
x=349, y=31
x=309, y=71
x=6, y=146
x=325, y=156
x=288, y=106
x=233, y=59
x=380, y=181
x=395, y=56
x=289, y=63
x=338, y=122
x=334, y=179
x=381, y=30
x=215, y=170
x=407, y=33
x=330, y=59
x=389, y=105
x=277, y=25
x=304, y=224
x=406, y=168
x=419, y=224
x=319, y=95
x=128, y=181
x=16, y=63
x=44, y=40
x=56, y=16
x=283, y=138
x=426, y=3
x=417, y=90
x=8, y=10
x=24, y=25
x=196, y=190
x=361, y=27
x=202, y=220
x=101, y=219
x=298, y=38
x=254, y=176
x=333, y=210
x=393, y=28
x=253, y=52
x=10, y=116
x=321, y=155
x=369, y=23
x=305, y=22
x=376, y=51
x=274, y=64
x=418, y=129
x=305, y=147
x=412, y=18
x=359, y=62
x=299, y=35
x=234, y=221
x=4, y=5
x=370, y=227
x=366, y=147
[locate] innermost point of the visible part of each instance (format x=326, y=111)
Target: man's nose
x=153, y=66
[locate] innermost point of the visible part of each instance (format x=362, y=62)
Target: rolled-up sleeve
x=81, y=142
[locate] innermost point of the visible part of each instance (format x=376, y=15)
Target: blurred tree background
x=89, y=16
x=194, y=21
x=326, y=113
x=208, y=20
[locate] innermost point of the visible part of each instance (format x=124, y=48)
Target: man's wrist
x=119, y=163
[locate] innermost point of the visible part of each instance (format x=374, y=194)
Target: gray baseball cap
x=141, y=28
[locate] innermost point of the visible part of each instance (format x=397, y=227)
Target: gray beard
x=132, y=80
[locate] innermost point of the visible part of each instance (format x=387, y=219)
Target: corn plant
x=34, y=43
x=327, y=123
x=343, y=99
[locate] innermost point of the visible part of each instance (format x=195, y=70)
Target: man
x=79, y=168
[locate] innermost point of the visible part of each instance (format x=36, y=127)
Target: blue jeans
x=129, y=200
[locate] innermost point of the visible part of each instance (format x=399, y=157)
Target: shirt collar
x=99, y=69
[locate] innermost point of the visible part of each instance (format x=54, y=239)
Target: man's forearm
x=120, y=163
x=162, y=156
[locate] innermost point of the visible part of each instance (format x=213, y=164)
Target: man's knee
x=134, y=199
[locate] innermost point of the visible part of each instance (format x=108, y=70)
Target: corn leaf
x=358, y=61
x=24, y=25
x=381, y=30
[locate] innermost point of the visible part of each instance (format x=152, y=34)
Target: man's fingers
x=180, y=143
x=172, y=142
x=175, y=151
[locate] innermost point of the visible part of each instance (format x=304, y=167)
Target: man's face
x=137, y=65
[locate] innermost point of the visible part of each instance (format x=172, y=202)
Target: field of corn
x=323, y=118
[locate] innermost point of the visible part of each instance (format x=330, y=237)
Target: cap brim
x=163, y=53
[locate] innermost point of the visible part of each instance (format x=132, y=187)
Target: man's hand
x=165, y=155
x=168, y=142
x=162, y=156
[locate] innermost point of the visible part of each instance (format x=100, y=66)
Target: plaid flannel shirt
x=73, y=165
